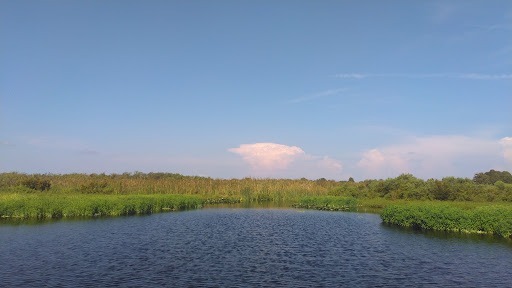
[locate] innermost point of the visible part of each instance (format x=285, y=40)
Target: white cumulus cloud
x=277, y=160
x=268, y=156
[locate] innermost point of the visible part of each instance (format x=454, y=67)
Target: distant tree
x=351, y=180
x=442, y=191
x=492, y=176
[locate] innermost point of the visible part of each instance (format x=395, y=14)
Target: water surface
x=246, y=248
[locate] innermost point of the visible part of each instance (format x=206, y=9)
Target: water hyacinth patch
x=493, y=219
x=331, y=203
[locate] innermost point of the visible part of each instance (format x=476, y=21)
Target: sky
x=262, y=89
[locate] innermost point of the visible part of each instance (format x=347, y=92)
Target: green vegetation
x=459, y=204
x=492, y=177
x=330, y=203
x=55, y=206
x=35, y=183
x=495, y=219
x=247, y=189
x=404, y=187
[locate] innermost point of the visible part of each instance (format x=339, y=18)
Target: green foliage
x=484, y=219
x=348, y=190
x=492, y=176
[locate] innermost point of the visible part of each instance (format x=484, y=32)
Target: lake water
x=246, y=248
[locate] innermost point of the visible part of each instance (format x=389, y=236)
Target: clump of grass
x=493, y=219
x=330, y=203
x=53, y=206
x=222, y=200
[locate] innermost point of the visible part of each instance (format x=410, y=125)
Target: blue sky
x=232, y=89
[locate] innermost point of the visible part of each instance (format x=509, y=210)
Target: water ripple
x=244, y=248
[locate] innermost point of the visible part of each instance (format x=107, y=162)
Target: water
x=246, y=248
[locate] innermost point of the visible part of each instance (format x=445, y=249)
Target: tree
x=492, y=176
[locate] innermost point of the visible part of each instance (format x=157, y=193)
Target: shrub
x=36, y=184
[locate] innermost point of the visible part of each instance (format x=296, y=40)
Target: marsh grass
x=247, y=189
x=57, y=206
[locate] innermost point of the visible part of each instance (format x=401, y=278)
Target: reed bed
x=493, y=219
x=57, y=206
x=247, y=189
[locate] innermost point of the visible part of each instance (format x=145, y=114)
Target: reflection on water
x=255, y=205
x=452, y=236
x=246, y=247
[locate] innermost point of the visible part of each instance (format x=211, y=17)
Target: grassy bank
x=494, y=219
x=57, y=206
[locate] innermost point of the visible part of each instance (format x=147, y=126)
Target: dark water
x=246, y=248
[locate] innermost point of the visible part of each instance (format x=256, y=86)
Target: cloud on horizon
x=506, y=144
x=437, y=156
x=277, y=160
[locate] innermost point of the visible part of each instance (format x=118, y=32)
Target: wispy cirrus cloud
x=277, y=160
x=88, y=151
x=472, y=76
x=493, y=27
x=62, y=144
x=443, y=11
x=318, y=95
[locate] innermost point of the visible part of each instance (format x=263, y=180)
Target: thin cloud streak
x=318, y=95
x=473, y=76
x=493, y=27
